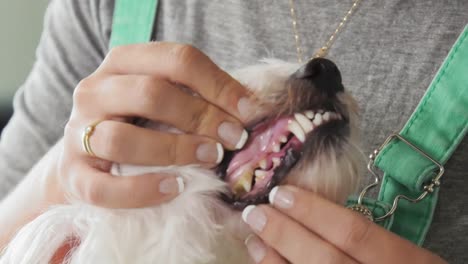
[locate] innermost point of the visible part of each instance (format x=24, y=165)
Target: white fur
x=193, y=228
x=186, y=230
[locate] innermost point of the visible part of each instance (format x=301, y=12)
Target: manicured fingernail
x=172, y=185
x=209, y=152
x=254, y=217
x=256, y=248
x=281, y=197
x=232, y=133
x=246, y=108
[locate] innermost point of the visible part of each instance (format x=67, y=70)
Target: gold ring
x=87, y=133
x=359, y=208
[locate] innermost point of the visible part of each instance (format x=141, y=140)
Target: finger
x=290, y=239
x=125, y=143
x=186, y=65
x=347, y=230
x=261, y=253
x=102, y=189
x=159, y=100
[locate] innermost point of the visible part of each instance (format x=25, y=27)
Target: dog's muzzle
x=308, y=114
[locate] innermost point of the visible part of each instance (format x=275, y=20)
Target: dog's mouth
x=308, y=119
x=273, y=149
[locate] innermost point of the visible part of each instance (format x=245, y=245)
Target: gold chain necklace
x=323, y=51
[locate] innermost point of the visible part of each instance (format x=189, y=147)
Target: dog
x=307, y=136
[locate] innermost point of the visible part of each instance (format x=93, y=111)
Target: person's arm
x=72, y=45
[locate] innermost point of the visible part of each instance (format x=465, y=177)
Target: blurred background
x=20, y=29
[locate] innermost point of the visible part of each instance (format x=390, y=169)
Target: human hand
x=303, y=227
x=140, y=81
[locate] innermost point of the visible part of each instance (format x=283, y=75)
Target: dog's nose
x=323, y=74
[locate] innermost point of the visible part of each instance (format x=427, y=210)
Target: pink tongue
x=260, y=145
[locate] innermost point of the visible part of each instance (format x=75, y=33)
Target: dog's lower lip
x=272, y=150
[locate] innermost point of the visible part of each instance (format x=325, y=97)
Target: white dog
x=308, y=139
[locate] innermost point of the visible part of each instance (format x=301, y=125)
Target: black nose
x=323, y=74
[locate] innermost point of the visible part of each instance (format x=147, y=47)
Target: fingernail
x=172, y=185
x=254, y=217
x=246, y=108
x=256, y=248
x=211, y=153
x=232, y=133
x=281, y=197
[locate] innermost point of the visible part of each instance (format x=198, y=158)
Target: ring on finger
x=87, y=133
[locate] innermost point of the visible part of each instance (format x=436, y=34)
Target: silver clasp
x=428, y=188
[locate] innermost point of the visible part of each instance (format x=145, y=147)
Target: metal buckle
x=428, y=188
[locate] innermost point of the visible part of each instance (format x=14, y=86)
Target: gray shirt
x=388, y=54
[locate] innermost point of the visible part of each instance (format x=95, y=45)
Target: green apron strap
x=412, y=161
x=133, y=21
x=437, y=127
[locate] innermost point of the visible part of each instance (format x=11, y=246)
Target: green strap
x=437, y=126
x=133, y=21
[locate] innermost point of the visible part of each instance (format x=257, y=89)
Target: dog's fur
x=196, y=227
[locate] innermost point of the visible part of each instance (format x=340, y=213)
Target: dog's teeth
x=263, y=164
x=247, y=186
x=310, y=114
x=304, y=122
x=276, y=162
x=296, y=129
x=276, y=147
x=320, y=111
x=283, y=139
x=326, y=116
x=261, y=174
x=244, y=184
x=317, y=120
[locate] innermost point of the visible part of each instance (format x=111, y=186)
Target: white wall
x=20, y=27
